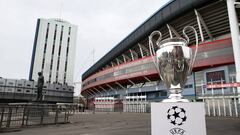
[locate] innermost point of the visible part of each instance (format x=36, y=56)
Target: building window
x=53, y=47
x=45, y=46
x=59, y=52
x=65, y=70
x=69, y=31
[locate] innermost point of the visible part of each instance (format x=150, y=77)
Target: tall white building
x=54, y=51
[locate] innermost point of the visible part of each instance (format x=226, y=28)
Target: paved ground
x=122, y=124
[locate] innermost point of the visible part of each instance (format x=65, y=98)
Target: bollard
x=28, y=112
x=9, y=117
x=2, y=115
x=42, y=115
x=93, y=110
x=23, y=117
x=65, y=116
x=56, y=116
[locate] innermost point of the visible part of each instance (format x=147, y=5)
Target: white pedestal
x=178, y=119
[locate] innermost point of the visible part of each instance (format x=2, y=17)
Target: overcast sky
x=101, y=25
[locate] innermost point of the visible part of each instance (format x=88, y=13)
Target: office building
x=54, y=51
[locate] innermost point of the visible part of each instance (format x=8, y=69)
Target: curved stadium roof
x=171, y=10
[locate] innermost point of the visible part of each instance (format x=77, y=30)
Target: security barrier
x=20, y=115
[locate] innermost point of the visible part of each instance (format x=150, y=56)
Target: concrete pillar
x=234, y=28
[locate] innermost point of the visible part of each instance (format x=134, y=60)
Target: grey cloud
x=101, y=25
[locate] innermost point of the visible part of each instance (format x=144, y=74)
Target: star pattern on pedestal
x=176, y=115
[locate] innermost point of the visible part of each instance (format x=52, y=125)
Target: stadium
x=126, y=78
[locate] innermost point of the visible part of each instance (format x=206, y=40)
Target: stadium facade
x=127, y=75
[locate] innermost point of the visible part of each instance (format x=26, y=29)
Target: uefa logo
x=177, y=117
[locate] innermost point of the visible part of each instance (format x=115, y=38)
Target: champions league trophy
x=174, y=62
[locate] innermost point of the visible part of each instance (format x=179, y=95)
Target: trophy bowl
x=174, y=62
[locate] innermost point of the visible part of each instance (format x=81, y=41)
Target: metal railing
x=223, y=106
x=19, y=115
x=217, y=105
x=126, y=107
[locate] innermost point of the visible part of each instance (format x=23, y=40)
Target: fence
x=125, y=106
x=227, y=105
x=19, y=115
x=221, y=99
x=216, y=105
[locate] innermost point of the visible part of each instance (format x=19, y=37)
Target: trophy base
x=166, y=122
x=173, y=98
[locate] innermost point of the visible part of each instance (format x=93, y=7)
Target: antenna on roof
x=93, y=57
x=60, y=11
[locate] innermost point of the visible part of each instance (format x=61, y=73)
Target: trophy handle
x=196, y=37
x=151, y=47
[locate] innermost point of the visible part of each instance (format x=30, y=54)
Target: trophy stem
x=174, y=97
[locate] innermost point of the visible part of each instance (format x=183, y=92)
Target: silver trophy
x=174, y=62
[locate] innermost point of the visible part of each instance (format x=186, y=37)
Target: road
x=121, y=124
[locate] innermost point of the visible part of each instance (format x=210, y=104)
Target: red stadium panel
x=213, y=58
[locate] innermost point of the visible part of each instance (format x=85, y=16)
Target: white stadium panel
x=20, y=83
x=28, y=91
x=11, y=82
x=19, y=90
x=2, y=82
x=29, y=84
x=9, y=89
x=2, y=88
